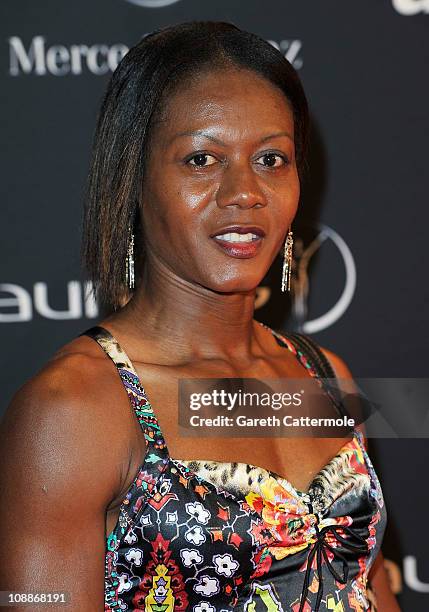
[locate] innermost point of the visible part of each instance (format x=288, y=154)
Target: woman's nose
x=239, y=186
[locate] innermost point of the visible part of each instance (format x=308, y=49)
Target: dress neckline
x=351, y=444
x=117, y=354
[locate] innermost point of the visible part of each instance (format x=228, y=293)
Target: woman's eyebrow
x=277, y=135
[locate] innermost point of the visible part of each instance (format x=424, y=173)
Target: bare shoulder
x=65, y=418
x=342, y=371
x=76, y=383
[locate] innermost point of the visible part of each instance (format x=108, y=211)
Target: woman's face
x=221, y=161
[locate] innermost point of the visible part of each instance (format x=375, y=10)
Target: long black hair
x=161, y=62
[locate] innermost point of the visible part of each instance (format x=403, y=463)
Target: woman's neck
x=192, y=320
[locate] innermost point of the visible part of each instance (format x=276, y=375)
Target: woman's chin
x=234, y=285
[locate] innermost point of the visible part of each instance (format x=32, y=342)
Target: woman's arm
x=60, y=468
x=378, y=579
x=377, y=576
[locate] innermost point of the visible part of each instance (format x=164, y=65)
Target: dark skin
x=72, y=446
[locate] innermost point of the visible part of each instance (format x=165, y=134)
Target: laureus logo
x=411, y=7
x=325, y=236
x=153, y=3
x=341, y=264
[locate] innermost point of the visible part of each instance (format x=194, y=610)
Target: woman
x=201, y=137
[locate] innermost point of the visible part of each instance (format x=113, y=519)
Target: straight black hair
x=151, y=71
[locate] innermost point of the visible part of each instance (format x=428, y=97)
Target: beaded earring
x=129, y=261
x=287, y=261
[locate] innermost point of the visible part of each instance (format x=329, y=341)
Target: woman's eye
x=201, y=160
x=273, y=160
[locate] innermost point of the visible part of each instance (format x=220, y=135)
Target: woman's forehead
x=232, y=100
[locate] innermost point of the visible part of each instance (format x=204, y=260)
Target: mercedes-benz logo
x=153, y=3
x=411, y=7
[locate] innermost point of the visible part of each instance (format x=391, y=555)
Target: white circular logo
x=301, y=281
x=411, y=7
x=336, y=311
x=153, y=3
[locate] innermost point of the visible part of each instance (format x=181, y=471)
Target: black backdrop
x=363, y=216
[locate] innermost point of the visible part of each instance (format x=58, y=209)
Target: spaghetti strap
x=111, y=347
x=130, y=380
x=311, y=357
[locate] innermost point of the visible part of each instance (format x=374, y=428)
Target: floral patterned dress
x=211, y=536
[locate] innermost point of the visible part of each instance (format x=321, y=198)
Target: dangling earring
x=129, y=261
x=287, y=261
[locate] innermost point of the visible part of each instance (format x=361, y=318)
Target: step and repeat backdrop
x=360, y=235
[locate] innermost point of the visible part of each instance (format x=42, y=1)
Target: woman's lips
x=240, y=249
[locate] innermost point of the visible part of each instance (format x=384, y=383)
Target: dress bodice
x=211, y=536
